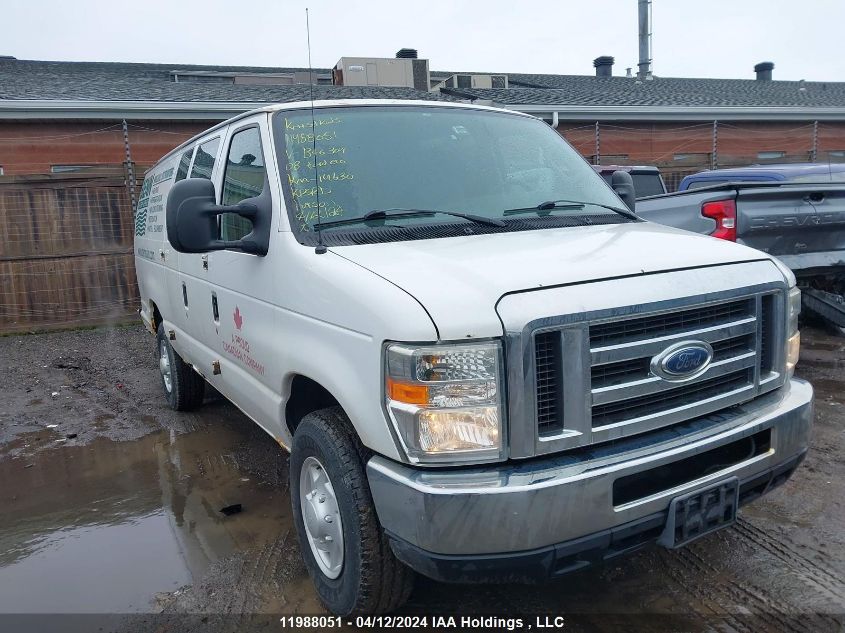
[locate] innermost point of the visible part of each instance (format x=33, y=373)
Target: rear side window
x=698, y=184
x=244, y=178
x=647, y=185
x=204, y=160
x=184, y=163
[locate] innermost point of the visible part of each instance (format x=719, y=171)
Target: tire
x=183, y=387
x=370, y=580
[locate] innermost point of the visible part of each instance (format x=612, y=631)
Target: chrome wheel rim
x=321, y=516
x=164, y=366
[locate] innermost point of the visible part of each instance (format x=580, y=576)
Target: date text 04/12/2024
x=544, y=622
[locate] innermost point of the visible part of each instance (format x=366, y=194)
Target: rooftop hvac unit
x=406, y=72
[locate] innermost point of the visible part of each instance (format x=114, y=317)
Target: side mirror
x=192, y=212
x=623, y=185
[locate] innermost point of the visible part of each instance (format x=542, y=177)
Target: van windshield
x=382, y=158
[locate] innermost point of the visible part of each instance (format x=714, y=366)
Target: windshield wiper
x=551, y=205
x=389, y=214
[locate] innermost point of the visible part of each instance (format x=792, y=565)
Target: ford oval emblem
x=682, y=361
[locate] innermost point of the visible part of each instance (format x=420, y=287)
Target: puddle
x=64, y=572
x=104, y=527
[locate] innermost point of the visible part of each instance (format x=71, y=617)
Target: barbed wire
x=641, y=130
x=187, y=135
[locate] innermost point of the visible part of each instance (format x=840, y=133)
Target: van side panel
x=155, y=260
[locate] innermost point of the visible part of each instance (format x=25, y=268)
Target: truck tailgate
x=803, y=225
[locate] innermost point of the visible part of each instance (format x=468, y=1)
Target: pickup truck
x=800, y=223
x=787, y=172
x=484, y=366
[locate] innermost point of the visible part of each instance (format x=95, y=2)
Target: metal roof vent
x=406, y=53
x=764, y=71
x=604, y=66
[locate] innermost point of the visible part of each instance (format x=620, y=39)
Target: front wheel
x=343, y=545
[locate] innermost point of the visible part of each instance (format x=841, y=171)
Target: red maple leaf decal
x=239, y=320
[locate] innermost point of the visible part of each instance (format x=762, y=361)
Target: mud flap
x=700, y=512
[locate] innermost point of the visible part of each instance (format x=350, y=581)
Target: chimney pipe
x=644, y=12
x=406, y=53
x=764, y=71
x=604, y=66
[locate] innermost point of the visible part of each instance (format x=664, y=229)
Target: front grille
x=766, y=348
x=625, y=396
x=668, y=324
x=732, y=346
x=611, y=374
x=670, y=399
x=547, y=376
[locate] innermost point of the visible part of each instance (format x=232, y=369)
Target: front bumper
x=543, y=517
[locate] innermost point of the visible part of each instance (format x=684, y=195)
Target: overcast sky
x=712, y=38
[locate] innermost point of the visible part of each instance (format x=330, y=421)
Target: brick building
x=65, y=116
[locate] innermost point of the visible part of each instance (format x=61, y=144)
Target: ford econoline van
x=486, y=367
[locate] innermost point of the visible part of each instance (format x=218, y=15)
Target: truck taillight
x=724, y=212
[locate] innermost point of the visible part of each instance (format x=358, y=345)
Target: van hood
x=459, y=280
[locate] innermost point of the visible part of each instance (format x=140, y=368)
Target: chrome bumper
x=523, y=506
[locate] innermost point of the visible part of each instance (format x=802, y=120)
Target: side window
x=184, y=163
x=244, y=178
x=204, y=161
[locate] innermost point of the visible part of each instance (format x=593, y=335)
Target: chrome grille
x=547, y=376
x=766, y=355
x=664, y=401
x=625, y=397
x=666, y=324
x=610, y=374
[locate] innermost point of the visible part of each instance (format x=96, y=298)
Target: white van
x=485, y=366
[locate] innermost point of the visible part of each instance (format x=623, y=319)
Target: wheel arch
x=305, y=395
x=155, y=315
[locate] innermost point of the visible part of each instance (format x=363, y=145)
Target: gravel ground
x=111, y=505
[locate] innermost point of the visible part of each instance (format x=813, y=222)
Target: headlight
x=793, y=336
x=446, y=401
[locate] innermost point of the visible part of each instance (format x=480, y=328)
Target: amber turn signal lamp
x=408, y=393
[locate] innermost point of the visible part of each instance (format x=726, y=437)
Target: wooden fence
x=66, y=251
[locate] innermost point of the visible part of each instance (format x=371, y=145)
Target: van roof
x=333, y=103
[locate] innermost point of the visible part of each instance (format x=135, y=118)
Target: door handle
x=214, y=311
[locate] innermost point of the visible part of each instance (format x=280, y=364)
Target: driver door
x=241, y=313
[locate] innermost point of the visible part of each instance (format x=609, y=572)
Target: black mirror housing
x=623, y=185
x=191, y=215
x=191, y=220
